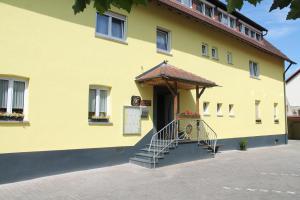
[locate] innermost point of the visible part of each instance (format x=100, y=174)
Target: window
x=257, y=111
x=219, y=109
x=232, y=23
x=241, y=28
x=231, y=112
x=205, y=108
x=13, y=94
x=163, y=40
x=98, y=104
x=214, y=53
x=187, y=3
x=252, y=34
x=254, y=69
x=208, y=11
x=258, y=36
x=276, y=119
x=200, y=7
x=247, y=31
x=223, y=18
x=111, y=25
x=229, y=58
x=204, y=49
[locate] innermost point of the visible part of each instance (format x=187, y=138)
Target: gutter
x=285, y=110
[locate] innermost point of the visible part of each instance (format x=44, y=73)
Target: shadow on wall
x=63, y=10
x=23, y=166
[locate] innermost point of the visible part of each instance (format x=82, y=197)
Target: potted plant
x=243, y=144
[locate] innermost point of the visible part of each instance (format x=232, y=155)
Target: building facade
x=67, y=81
x=293, y=105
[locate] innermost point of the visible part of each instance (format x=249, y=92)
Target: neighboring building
x=68, y=83
x=293, y=105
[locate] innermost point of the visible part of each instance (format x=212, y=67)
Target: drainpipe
x=284, y=92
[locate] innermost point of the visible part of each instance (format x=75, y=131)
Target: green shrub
x=243, y=144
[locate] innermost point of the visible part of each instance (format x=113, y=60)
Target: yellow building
x=68, y=84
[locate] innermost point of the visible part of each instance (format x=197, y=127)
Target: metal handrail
x=163, y=139
x=168, y=136
x=210, y=136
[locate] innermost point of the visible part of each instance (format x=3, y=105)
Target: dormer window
x=200, y=7
x=247, y=31
x=258, y=36
x=232, y=23
x=187, y=3
x=208, y=11
x=252, y=34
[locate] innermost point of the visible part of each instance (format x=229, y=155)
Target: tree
x=104, y=5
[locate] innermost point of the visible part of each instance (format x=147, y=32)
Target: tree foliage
x=104, y=5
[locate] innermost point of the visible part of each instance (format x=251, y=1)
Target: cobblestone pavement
x=261, y=173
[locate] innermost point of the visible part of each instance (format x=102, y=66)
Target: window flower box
x=99, y=119
x=188, y=114
x=11, y=116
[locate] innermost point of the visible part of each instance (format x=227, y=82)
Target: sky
x=283, y=34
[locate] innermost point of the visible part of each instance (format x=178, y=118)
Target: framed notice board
x=131, y=120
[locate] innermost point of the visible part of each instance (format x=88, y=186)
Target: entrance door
x=163, y=107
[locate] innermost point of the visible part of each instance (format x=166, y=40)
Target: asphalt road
x=261, y=173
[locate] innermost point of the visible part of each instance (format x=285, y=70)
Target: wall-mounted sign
x=145, y=112
x=145, y=102
x=132, y=120
x=135, y=100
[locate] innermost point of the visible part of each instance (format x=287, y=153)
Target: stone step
x=142, y=162
x=152, y=150
x=172, y=146
x=148, y=155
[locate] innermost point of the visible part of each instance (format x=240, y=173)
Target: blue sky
x=284, y=34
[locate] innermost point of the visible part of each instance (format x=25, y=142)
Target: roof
x=293, y=76
x=263, y=45
x=294, y=118
x=163, y=72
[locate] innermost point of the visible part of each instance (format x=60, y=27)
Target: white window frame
x=228, y=18
x=206, y=108
x=216, y=57
x=109, y=35
x=257, y=111
x=182, y=3
x=251, y=69
x=219, y=109
x=207, y=50
x=9, y=105
x=229, y=58
x=97, y=106
x=168, y=51
x=231, y=110
x=276, y=117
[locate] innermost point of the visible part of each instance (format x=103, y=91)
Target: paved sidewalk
x=262, y=173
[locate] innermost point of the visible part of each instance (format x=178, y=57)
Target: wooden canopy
x=165, y=74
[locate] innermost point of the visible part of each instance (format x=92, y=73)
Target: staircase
x=175, y=138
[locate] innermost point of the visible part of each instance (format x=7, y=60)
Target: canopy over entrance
x=174, y=78
x=165, y=74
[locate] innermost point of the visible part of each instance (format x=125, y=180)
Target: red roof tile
x=169, y=72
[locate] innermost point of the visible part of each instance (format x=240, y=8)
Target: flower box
x=99, y=119
x=189, y=115
x=11, y=117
